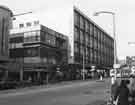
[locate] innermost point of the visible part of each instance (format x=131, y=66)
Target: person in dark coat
x=132, y=89
x=122, y=93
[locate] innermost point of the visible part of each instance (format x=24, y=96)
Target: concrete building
x=88, y=43
x=37, y=48
x=5, y=25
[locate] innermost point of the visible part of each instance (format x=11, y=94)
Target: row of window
x=95, y=59
x=53, y=40
x=82, y=37
x=34, y=36
x=80, y=49
x=88, y=27
x=28, y=24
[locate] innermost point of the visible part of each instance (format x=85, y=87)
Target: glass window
x=95, y=32
x=87, y=39
x=76, y=37
x=76, y=48
x=76, y=18
x=31, y=52
x=81, y=22
x=81, y=36
x=28, y=24
x=91, y=42
x=81, y=50
x=36, y=22
x=21, y=25
x=91, y=29
x=87, y=26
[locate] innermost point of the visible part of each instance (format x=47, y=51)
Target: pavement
x=90, y=92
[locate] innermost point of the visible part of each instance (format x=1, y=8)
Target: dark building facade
x=91, y=42
x=5, y=24
x=37, y=48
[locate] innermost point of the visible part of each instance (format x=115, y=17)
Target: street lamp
x=114, y=34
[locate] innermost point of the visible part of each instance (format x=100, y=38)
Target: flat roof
x=78, y=10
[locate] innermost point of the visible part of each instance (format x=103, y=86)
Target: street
x=77, y=93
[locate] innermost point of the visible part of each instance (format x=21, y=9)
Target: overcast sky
x=124, y=9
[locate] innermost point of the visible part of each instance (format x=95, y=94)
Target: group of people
x=123, y=91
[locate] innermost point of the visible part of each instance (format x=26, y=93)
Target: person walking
x=122, y=94
x=132, y=90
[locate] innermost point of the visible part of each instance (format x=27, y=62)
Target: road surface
x=76, y=93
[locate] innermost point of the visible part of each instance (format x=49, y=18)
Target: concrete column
x=38, y=75
x=7, y=74
x=47, y=78
x=21, y=75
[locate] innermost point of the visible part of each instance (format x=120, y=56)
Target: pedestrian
x=132, y=89
x=114, y=88
x=122, y=94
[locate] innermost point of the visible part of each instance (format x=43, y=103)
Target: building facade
x=5, y=25
x=88, y=44
x=37, y=48
x=91, y=42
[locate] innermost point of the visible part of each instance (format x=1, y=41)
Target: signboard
x=116, y=66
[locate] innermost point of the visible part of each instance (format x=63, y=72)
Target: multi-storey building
x=5, y=25
x=91, y=42
x=86, y=38
x=37, y=47
x=88, y=43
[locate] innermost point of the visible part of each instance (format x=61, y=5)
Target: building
x=36, y=48
x=91, y=42
x=5, y=25
x=88, y=43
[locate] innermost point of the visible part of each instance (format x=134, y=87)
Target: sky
x=124, y=13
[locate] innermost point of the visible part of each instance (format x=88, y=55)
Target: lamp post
x=114, y=34
x=83, y=65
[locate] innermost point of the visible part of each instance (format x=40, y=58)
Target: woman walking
x=122, y=93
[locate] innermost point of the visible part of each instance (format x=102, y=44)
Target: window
x=76, y=18
x=16, y=40
x=81, y=36
x=91, y=42
x=76, y=48
x=87, y=26
x=76, y=37
x=95, y=32
x=87, y=39
x=28, y=24
x=81, y=50
x=81, y=22
x=32, y=36
x=91, y=29
x=31, y=52
x=36, y=22
x=21, y=25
